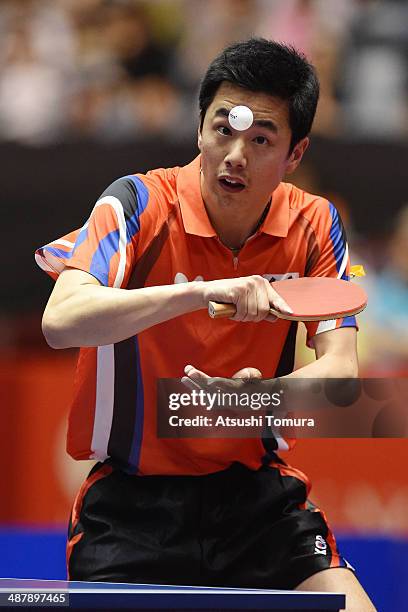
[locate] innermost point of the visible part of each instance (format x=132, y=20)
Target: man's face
x=242, y=168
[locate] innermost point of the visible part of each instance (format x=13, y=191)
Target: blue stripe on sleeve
x=349, y=322
x=82, y=236
x=107, y=247
x=337, y=238
x=59, y=252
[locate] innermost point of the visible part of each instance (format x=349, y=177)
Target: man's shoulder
x=313, y=212
x=304, y=201
x=154, y=189
x=160, y=183
x=157, y=177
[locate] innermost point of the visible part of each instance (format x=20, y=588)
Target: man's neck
x=233, y=221
x=234, y=227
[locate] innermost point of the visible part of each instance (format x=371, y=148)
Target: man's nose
x=237, y=154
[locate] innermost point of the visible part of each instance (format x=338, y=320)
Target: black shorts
x=235, y=528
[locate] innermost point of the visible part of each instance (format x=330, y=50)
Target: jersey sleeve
x=333, y=261
x=106, y=245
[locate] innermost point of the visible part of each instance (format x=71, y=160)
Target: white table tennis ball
x=240, y=118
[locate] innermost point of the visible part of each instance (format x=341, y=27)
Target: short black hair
x=267, y=66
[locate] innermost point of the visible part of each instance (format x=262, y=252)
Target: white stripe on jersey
x=282, y=444
x=105, y=392
x=344, y=262
x=120, y=214
x=66, y=243
x=105, y=376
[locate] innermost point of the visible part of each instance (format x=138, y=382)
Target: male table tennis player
x=132, y=290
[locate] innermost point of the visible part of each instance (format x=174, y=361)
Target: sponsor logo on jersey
x=278, y=277
x=320, y=546
x=182, y=278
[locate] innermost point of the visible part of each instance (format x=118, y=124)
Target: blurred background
x=91, y=90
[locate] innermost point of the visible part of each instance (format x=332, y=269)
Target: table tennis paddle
x=317, y=298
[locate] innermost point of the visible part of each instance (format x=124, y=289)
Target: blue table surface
x=100, y=595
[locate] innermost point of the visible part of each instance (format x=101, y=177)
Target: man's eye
x=261, y=140
x=223, y=130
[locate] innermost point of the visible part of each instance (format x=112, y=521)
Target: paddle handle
x=218, y=310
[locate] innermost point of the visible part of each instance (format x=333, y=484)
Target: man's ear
x=199, y=139
x=295, y=157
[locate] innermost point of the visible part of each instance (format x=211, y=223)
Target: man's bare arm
x=336, y=356
x=81, y=312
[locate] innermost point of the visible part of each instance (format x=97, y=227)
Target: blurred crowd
x=116, y=71
x=383, y=341
x=113, y=70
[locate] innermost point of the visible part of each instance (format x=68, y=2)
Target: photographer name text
x=268, y=420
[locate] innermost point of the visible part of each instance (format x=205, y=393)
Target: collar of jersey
x=195, y=218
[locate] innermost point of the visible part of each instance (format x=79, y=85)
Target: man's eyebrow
x=263, y=123
x=268, y=124
x=221, y=112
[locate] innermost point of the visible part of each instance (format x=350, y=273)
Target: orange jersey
x=153, y=229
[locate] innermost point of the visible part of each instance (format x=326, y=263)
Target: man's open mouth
x=231, y=185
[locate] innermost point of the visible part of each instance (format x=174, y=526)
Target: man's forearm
x=96, y=315
x=328, y=366
x=81, y=312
